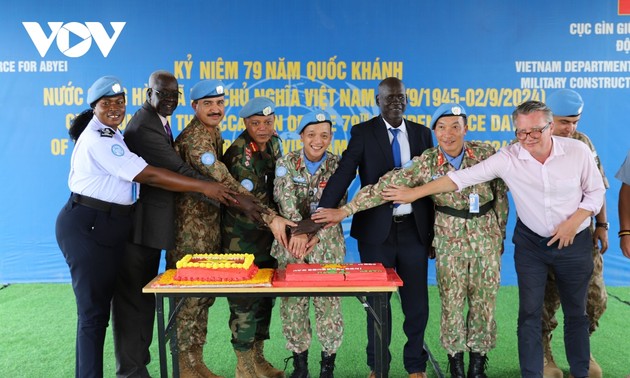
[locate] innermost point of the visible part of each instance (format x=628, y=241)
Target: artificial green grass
x=38, y=325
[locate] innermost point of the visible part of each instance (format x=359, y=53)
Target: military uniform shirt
x=297, y=193
x=583, y=138
x=198, y=220
x=254, y=170
x=102, y=166
x=453, y=235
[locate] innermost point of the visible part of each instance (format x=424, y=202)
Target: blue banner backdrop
x=489, y=56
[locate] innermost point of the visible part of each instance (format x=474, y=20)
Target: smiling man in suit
x=148, y=135
x=397, y=236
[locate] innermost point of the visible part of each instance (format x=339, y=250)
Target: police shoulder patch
x=208, y=158
x=247, y=184
x=281, y=171
x=118, y=150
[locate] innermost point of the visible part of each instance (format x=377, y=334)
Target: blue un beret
x=206, y=89
x=449, y=109
x=106, y=86
x=258, y=106
x=316, y=116
x=565, y=103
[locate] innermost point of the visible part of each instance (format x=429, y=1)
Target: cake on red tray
x=336, y=272
x=216, y=267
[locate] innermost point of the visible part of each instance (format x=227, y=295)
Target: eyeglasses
x=534, y=133
x=163, y=94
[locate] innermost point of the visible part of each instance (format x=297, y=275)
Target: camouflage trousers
x=192, y=318
x=294, y=311
x=476, y=281
x=595, y=301
x=296, y=324
x=249, y=321
x=192, y=322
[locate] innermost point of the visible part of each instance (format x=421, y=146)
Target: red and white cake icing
x=336, y=272
x=216, y=267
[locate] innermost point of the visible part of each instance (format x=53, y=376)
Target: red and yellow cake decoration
x=216, y=267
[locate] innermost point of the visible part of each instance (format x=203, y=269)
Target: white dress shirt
x=545, y=194
x=405, y=156
x=102, y=167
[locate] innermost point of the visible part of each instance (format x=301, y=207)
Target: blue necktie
x=396, y=148
x=167, y=127
x=396, y=151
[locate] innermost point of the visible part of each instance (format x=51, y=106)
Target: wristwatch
x=606, y=225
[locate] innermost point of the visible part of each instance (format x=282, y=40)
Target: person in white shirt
x=556, y=188
x=94, y=224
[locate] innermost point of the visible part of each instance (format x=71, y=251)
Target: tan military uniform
x=297, y=193
x=197, y=222
x=468, y=248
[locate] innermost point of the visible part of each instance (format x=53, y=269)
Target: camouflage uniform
x=254, y=169
x=197, y=222
x=597, y=296
x=297, y=194
x=468, y=251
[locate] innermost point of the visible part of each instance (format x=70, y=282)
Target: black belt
x=401, y=218
x=97, y=204
x=465, y=213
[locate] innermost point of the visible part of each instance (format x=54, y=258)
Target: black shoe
x=327, y=365
x=477, y=365
x=300, y=365
x=456, y=365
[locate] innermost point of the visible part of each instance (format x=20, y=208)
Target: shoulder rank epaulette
x=107, y=133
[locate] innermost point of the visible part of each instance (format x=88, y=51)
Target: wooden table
x=378, y=291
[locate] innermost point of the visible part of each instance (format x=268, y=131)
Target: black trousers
x=93, y=243
x=133, y=313
x=573, y=267
x=403, y=251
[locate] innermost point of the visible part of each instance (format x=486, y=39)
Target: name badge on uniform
x=473, y=201
x=299, y=180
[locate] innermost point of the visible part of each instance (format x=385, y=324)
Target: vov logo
x=85, y=33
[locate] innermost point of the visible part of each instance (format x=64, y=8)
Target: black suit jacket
x=154, y=219
x=370, y=151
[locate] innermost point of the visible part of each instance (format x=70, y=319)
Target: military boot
x=263, y=368
x=195, y=355
x=550, y=369
x=477, y=365
x=327, y=365
x=300, y=365
x=594, y=370
x=456, y=365
x=245, y=364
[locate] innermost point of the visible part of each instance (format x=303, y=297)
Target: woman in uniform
x=301, y=177
x=94, y=224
